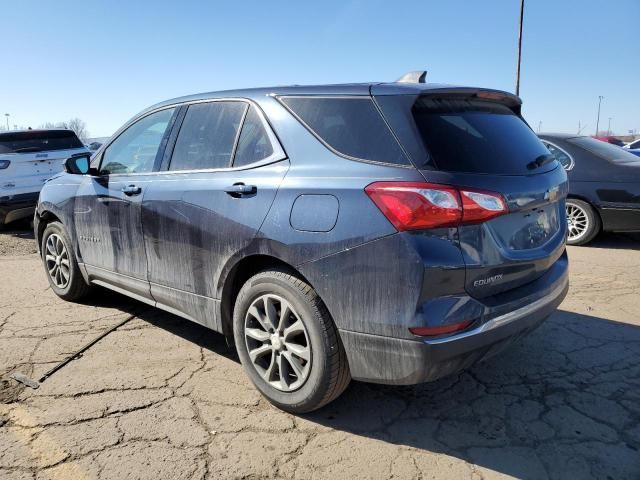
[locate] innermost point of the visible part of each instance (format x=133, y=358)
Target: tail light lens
x=481, y=206
x=421, y=205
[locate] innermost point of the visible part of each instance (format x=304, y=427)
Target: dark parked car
x=391, y=233
x=604, y=186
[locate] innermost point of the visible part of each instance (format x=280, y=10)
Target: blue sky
x=104, y=61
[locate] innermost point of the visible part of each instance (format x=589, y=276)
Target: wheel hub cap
x=277, y=343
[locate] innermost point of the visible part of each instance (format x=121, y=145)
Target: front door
x=107, y=212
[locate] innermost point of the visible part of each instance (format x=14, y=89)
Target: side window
x=352, y=126
x=254, y=144
x=207, y=136
x=135, y=149
x=564, y=159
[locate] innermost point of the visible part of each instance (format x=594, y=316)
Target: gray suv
x=390, y=232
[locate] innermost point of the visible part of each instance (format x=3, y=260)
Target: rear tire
x=295, y=360
x=60, y=263
x=582, y=221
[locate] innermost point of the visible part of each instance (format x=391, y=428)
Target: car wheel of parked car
x=582, y=221
x=60, y=263
x=288, y=343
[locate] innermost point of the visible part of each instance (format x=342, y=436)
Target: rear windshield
x=352, y=126
x=605, y=150
x=38, y=141
x=477, y=136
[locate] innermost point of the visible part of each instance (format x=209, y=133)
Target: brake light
x=421, y=205
x=440, y=329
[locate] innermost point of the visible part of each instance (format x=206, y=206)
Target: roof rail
x=413, y=77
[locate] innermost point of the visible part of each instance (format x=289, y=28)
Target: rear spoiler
x=508, y=99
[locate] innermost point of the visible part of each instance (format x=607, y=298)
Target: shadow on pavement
x=628, y=241
x=564, y=399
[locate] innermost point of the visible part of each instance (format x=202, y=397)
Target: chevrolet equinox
x=388, y=232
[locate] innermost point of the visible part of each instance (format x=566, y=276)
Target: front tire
x=288, y=343
x=60, y=263
x=582, y=221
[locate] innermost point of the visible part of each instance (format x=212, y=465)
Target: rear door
x=484, y=145
x=208, y=204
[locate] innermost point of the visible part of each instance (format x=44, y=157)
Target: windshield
x=38, y=141
x=477, y=136
x=605, y=150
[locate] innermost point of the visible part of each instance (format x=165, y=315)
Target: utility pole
x=600, y=97
x=539, y=126
x=519, y=48
x=609, y=127
x=7, y=115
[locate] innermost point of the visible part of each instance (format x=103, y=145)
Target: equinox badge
x=487, y=281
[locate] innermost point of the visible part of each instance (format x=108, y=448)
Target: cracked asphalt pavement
x=163, y=398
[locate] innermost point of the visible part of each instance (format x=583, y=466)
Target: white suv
x=27, y=159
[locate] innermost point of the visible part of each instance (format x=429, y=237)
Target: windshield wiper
x=541, y=160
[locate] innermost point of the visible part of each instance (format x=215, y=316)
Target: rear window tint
x=207, y=136
x=478, y=137
x=38, y=141
x=352, y=126
x=605, y=150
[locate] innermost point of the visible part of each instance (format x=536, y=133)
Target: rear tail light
x=421, y=205
x=4, y=164
x=481, y=206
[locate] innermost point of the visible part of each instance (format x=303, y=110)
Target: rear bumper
x=379, y=359
x=15, y=207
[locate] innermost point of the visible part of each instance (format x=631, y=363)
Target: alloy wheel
x=57, y=260
x=277, y=342
x=577, y=221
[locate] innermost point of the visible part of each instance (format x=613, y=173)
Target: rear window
x=352, y=126
x=477, y=136
x=38, y=141
x=605, y=150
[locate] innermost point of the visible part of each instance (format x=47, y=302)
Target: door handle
x=238, y=190
x=131, y=190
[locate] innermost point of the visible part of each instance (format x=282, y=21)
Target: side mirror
x=77, y=165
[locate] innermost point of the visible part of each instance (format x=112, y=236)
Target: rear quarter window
x=351, y=126
x=560, y=155
x=477, y=136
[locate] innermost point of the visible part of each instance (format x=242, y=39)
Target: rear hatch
x=29, y=158
x=477, y=141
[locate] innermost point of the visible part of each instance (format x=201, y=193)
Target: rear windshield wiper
x=541, y=160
